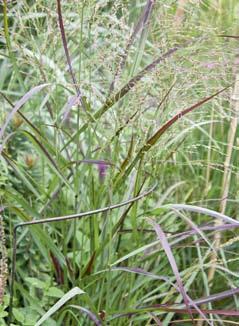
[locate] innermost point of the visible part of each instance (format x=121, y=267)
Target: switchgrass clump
x=118, y=151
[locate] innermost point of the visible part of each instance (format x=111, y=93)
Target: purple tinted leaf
x=144, y=18
x=184, y=235
x=152, y=140
x=206, y=211
x=133, y=81
x=214, y=297
x=89, y=266
x=58, y=269
x=217, y=296
x=169, y=308
x=194, y=311
x=208, y=228
x=64, y=42
x=90, y=314
x=196, y=229
x=166, y=246
x=168, y=251
x=141, y=271
x=156, y=136
x=19, y=104
x=63, y=37
x=211, y=311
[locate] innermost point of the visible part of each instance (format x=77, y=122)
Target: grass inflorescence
x=118, y=162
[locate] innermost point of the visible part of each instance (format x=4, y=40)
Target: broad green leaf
x=35, y=282
x=54, y=292
x=66, y=297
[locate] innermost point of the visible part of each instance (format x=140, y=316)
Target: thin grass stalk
x=209, y=153
x=227, y=172
x=77, y=182
x=226, y=181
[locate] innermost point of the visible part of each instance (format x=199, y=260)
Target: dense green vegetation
x=133, y=103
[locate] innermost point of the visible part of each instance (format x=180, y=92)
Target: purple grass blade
x=217, y=296
x=196, y=229
x=133, y=81
x=166, y=246
x=144, y=18
x=186, y=234
x=58, y=269
x=169, y=308
x=205, y=211
x=142, y=22
x=19, y=104
x=156, y=136
x=211, y=311
x=152, y=140
x=168, y=251
x=141, y=271
x=63, y=37
x=90, y=314
x=207, y=228
x=223, y=312
x=64, y=42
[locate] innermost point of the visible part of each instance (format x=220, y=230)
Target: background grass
x=76, y=147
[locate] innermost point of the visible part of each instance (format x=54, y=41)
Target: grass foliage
x=100, y=101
